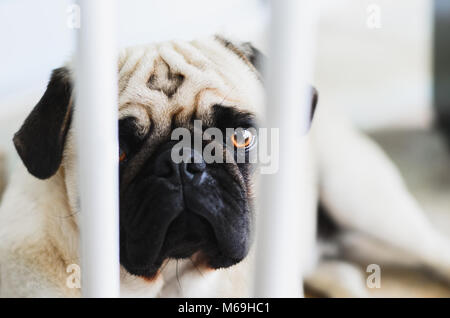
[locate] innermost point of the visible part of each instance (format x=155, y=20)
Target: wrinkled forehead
x=171, y=83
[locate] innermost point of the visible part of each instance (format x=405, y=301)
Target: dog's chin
x=199, y=259
x=149, y=273
x=189, y=236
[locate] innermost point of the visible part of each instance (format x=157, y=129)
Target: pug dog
x=186, y=227
x=177, y=220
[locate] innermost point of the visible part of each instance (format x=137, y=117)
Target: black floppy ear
x=40, y=140
x=252, y=55
x=246, y=51
x=255, y=56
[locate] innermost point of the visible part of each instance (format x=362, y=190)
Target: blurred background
x=382, y=62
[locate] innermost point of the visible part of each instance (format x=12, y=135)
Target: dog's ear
x=246, y=51
x=40, y=140
x=255, y=57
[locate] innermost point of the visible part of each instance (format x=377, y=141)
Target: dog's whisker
x=70, y=215
x=196, y=267
x=67, y=216
x=178, y=277
x=164, y=265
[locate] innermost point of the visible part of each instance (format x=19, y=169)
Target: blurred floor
x=408, y=283
x=424, y=162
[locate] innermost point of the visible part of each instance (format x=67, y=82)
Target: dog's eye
x=243, y=138
x=122, y=155
x=129, y=139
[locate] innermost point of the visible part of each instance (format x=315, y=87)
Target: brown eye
x=122, y=156
x=243, y=139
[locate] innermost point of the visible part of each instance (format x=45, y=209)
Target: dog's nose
x=192, y=164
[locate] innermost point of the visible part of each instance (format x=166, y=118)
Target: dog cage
x=280, y=222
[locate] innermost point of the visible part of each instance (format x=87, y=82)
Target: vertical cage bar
x=282, y=212
x=96, y=115
x=441, y=65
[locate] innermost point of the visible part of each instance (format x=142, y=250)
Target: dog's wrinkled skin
x=166, y=86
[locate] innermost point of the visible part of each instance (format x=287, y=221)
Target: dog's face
x=168, y=209
x=176, y=210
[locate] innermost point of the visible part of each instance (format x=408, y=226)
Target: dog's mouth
x=189, y=236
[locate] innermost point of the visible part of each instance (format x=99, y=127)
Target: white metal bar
x=282, y=213
x=96, y=115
